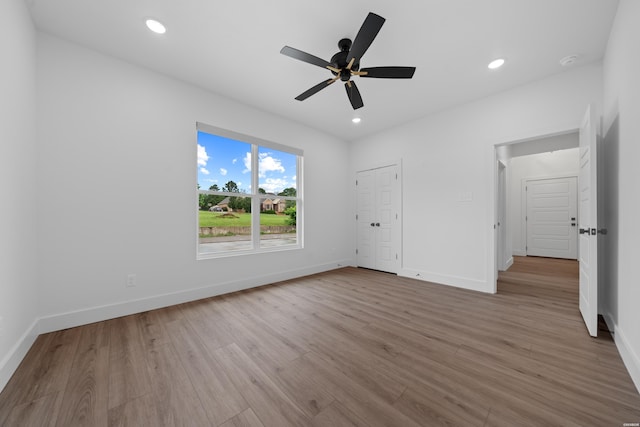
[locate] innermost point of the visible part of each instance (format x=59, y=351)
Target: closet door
x=378, y=219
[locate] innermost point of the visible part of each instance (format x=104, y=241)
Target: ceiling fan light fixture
x=356, y=120
x=496, y=63
x=156, y=26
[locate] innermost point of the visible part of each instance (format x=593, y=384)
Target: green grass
x=215, y=219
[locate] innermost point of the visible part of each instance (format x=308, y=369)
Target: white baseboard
x=630, y=358
x=508, y=264
x=455, y=281
x=12, y=360
x=71, y=319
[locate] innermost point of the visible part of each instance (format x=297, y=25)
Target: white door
x=588, y=223
x=365, y=218
x=551, y=217
x=378, y=219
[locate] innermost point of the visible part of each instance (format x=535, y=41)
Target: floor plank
x=178, y=401
x=267, y=400
x=86, y=397
x=220, y=398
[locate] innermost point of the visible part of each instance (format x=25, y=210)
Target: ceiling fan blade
x=317, y=88
x=304, y=57
x=354, y=95
x=387, y=72
x=369, y=30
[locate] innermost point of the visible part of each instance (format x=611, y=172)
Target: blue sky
x=222, y=159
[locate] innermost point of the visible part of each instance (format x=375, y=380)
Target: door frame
x=494, y=155
x=399, y=200
x=501, y=218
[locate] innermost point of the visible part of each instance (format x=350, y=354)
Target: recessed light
x=156, y=26
x=496, y=63
x=356, y=120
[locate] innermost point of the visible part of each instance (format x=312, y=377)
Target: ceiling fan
x=346, y=63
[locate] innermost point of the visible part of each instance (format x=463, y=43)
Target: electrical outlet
x=131, y=280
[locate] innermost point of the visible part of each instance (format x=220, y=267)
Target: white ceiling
x=232, y=48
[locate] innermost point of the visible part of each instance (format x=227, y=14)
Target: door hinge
x=526, y=218
x=396, y=216
x=396, y=256
x=356, y=217
x=356, y=182
x=356, y=252
x=396, y=177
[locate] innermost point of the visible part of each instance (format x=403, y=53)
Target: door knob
x=584, y=231
x=373, y=224
x=377, y=224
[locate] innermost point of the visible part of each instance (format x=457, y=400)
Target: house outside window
x=249, y=194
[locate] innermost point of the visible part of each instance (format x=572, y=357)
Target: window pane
x=277, y=222
x=277, y=172
x=223, y=164
x=226, y=230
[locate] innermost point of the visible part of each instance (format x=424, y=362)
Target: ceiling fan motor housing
x=339, y=60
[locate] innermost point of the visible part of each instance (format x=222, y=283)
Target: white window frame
x=256, y=144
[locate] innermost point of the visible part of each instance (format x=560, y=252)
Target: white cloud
x=294, y=177
x=247, y=163
x=203, y=157
x=204, y=171
x=275, y=185
x=269, y=164
x=266, y=163
x=223, y=171
x=234, y=161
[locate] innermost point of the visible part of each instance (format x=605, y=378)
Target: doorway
x=378, y=218
x=550, y=156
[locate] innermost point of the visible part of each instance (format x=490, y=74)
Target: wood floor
x=350, y=347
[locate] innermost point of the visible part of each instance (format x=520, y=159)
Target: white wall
x=116, y=191
x=448, y=155
x=18, y=296
x=621, y=130
x=544, y=165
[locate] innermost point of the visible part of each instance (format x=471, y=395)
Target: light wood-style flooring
x=350, y=347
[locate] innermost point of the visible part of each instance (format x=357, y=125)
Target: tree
x=289, y=192
x=237, y=203
x=261, y=191
x=292, y=212
x=206, y=201
x=231, y=187
x=214, y=199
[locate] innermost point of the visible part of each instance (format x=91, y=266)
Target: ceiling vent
x=568, y=60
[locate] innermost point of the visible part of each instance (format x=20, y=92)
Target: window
x=249, y=194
